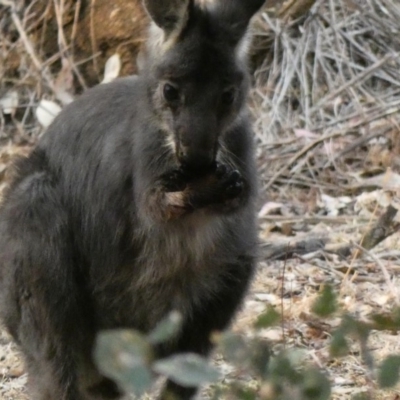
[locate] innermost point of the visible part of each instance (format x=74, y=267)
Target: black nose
x=196, y=160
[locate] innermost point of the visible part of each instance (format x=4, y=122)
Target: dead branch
x=288, y=250
x=361, y=141
x=384, y=227
x=299, y=155
x=43, y=71
x=385, y=273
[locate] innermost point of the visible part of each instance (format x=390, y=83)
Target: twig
x=373, y=114
x=27, y=44
x=315, y=219
x=382, y=229
x=287, y=251
x=282, y=306
x=93, y=36
x=62, y=42
x=353, y=81
x=357, y=143
x=298, y=155
x=385, y=227
x=385, y=272
x=75, y=24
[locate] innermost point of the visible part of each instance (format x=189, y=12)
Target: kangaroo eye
x=228, y=97
x=171, y=93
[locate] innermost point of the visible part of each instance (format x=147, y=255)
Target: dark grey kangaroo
x=139, y=199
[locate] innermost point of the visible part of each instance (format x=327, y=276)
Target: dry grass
x=327, y=88
x=326, y=104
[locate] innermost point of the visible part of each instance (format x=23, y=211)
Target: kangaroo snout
x=197, y=145
x=199, y=160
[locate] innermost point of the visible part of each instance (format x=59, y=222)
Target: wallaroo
x=138, y=200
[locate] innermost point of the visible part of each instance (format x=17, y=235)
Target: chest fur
x=176, y=267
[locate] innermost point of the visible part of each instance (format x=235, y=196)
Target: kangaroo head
x=196, y=66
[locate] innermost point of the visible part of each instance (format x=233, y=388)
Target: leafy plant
x=128, y=357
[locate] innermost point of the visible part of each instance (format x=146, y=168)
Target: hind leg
x=43, y=299
x=57, y=379
x=48, y=379
x=213, y=315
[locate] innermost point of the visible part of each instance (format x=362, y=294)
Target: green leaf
x=316, y=385
x=386, y=321
x=252, y=354
x=389, y=372
x=234, y=348
x=382, y=322
x=326, y=304
x=296, y=356
x=396, y=316
x=187, y=369
x=125, y=356
x=245, y=394
x=281, y=368
x=166, y=329
x=361, y=396
x=267, y=319
x=339, y=346
x=260, y=356
x=216, y=392
x=358, y=329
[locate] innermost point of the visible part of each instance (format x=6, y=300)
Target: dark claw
x=234, y=176
x=234, y=188
x=230, y=181
x=221, y=170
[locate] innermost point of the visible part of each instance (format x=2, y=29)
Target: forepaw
x=230, y=181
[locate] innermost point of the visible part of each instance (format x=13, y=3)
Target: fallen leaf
x=304, y=133
x=333, y=204
x=64, y=83
x=9, y=102
x=389, y=180
x=367, y=202
x=112, y=68
x=46, y=112
x=267, y=208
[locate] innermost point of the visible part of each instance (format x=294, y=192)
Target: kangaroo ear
x=235, y=15
x=169, y=15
